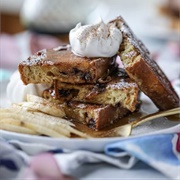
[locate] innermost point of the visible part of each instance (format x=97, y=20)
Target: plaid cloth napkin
x=27, y=160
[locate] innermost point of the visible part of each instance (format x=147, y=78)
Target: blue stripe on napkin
x=159, y=151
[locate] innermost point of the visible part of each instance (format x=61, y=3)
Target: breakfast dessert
x=84, y=77
x=144, y=70
x=85, y=86
x=120, y=90
x=61, y=64
x=97, y=105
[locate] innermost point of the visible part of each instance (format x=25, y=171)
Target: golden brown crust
x=144, y=71
x=63, y=65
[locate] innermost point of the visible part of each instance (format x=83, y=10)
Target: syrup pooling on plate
x=109, y=131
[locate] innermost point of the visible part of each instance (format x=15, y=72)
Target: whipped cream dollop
x=17, y=91
x=99, y=40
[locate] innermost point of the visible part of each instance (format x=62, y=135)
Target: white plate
x=95, y=144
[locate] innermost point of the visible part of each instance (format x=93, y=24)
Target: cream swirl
x=99, y=40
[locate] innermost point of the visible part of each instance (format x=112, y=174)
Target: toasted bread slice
x=94, y=116
x=61, y=64
x=120, y=90
x=144, y=70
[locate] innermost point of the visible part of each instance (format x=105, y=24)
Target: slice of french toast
x=94, y=116
x=61, y=64
x=120, y=90
x=144, y=70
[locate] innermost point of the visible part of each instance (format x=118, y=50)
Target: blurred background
x=31, y=25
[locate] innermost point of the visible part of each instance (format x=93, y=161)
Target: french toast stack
x=91, y=90
x=95, y=91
